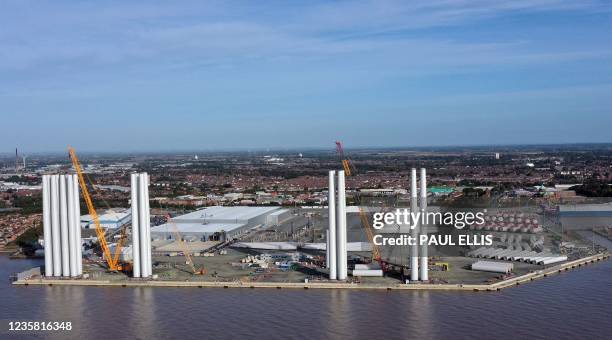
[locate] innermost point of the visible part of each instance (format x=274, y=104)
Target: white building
x=111, y=219
x=278, y=216
x=203, y=223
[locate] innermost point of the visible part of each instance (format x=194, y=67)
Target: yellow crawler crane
x=185, y=248
x=368, y=228
x=348, y=166
x=111, y=260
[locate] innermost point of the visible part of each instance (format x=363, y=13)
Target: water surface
x=572, y=305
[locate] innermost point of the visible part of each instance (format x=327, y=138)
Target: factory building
x=213, y=221
x=278, y=216
x=111, y=219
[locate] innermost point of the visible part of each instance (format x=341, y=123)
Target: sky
x=215, y=75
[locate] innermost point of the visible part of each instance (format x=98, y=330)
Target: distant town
x=187, y=181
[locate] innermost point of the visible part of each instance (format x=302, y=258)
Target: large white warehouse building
x=111, y=219
x=228, y=221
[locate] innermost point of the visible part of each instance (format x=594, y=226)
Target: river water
x=573, y=305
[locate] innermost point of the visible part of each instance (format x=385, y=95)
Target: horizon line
x=304, y=148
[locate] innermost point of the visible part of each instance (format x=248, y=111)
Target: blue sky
x=116, y=75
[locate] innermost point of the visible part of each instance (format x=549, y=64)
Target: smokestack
x=331, y=206
x=414, y=232
x=424, y=266
x=341, y=227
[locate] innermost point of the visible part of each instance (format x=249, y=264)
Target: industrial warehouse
x=220, y=222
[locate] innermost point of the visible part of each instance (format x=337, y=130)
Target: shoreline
x=511, y=282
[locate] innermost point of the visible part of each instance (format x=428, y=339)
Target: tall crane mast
x=368, y=228
x=185, y=248
x=112, y=261
x=345, y=162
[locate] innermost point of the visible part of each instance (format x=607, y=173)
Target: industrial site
x=242, y=242
x=306, y=169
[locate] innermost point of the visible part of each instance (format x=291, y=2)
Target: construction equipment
x=368, y=228
x=345, y=162
x=442, y=266
x=347, y=165
x=111, y=260
x=185, y=248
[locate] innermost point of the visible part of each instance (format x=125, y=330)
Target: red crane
x=345, y=162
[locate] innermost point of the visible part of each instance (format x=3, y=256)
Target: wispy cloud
x=277, y=68
x=43, y=36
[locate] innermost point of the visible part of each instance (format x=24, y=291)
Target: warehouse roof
x=185, y=228
x=279, y=212
x=108, y=216
x=220, y=213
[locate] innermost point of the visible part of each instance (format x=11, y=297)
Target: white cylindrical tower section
x=147, y=224
x=414, y=232
x=135, y=226
x=341, y=228
x=77, y=218
x=327, y=249
x=424, y=260
x=331, y=205
x=142, y=217
x=65, y=240
x=55, y=226
x=46, y=193
x=71, y=226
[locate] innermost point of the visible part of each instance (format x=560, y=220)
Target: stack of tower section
x=418, y=253
x=141, y=226
x=336, y=243
x=62, y=226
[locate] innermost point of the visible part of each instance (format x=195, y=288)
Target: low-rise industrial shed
x=217, y=221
